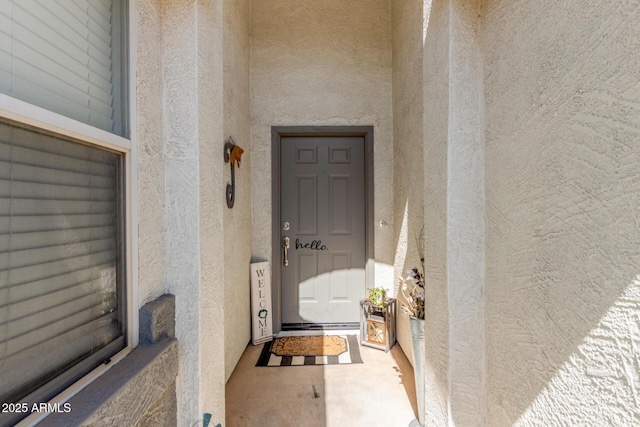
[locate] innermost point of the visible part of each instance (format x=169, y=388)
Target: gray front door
x=323, y=202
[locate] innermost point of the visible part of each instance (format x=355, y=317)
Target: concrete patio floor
x=379, y=392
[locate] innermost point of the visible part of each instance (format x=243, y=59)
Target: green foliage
x=378, y=296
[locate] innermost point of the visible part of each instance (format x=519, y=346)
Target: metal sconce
x=232, y=154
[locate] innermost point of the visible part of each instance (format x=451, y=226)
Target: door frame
x=277, y=132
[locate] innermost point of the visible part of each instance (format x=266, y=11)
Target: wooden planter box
x=378, y=324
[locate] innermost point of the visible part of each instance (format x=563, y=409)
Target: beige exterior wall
x=557, y=302
x=181, y=193
x=237, y=221
x=533, y=103
x=562, y=86
x=318, y=62
x=210, y=377
x=436, y=130
x=454, y=215
x=408, y=143
x=466, y=217
x=150, y=134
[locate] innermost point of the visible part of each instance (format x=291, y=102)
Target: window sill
x=126, y=393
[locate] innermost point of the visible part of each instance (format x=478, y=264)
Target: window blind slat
x=99, y=32
x=76, y=20
x=51, y=15
x=27, y=226
x=106, y=3
x=48, y=357
x=104, y=11
x=60, y=56
x=15, y=137
x=41, y=303
x=45, y=207
x=71, y=32
x=40, y=95
x=66, y=99
x=29, y=173
x=29, y=157
x=49, y=75
x=37, y=323
x=35, y=37
x=23, y=241
x=67, y=281
x=64, y=60
x=79, y=318
x=6, y=29
x=41, y=255
x=6, y=8
x=5, y=80
x=23, y=275
x=75, y=60
x=39, y=190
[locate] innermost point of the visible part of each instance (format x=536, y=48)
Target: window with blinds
x=62, y=269
x=66, y=56
x=61, y=282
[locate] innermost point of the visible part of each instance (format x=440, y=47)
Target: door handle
x=285, y=248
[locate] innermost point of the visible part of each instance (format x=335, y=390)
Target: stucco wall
x=454, y=215
x=210, y=378
x=436, y=130
x=180, y=133
x=322, y=62
x=408, y=166
x=563, y=189
x=180, y=102
x=466, y=217
x=150, y=135
x=237, y=221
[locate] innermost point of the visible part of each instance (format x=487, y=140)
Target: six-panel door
x=323, y=200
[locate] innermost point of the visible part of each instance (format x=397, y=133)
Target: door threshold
x=301, y=329
x=319, y=326
x=314, y=333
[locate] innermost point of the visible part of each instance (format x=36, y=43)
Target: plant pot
x=417, y=337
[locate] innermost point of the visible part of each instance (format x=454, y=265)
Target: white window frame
x=22, y=112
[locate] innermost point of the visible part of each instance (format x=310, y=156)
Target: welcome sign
x=262, y=325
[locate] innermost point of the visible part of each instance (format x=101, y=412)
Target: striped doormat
x=311, y=350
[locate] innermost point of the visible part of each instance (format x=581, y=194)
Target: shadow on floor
x=379, y=391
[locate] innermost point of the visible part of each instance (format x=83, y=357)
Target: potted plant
x=378, y=320
x=412, y=288
x=412, y=304
x=378, y=296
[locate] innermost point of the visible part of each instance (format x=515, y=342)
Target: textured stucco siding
x=435, y=131
x=212, y=182
x=181, y=193
x=454, y=374
x=180, y=102
x=237, y=221
x=408, y=166
x=562, y=84
x=466, y=218
x=322, y=62
x=150, y=139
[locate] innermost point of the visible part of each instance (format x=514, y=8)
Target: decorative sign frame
x=261, y=315
x=378, y=324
